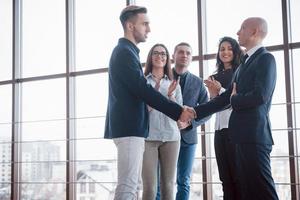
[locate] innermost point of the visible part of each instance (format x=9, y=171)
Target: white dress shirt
x=222, y=117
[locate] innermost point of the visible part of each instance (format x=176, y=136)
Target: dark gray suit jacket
x=194, y=93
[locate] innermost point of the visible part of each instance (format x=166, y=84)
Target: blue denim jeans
x=158, y=184
x=184, y=170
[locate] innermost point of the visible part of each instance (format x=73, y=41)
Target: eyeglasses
x=157, y=53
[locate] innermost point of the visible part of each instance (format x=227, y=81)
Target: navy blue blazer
x=127, y=113
x=194, y=94
x=249, y=121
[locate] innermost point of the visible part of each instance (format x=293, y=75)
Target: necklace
x=157, y=78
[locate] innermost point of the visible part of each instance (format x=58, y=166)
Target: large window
x=5, y=140
x=6, y=112
x=6, y=40
x=295, y=19
x=44, y=46
x=296, y=74
x=171, y=22
x=94, y=165
x=94, y=43
x=296, y=77
x=43, y=139
x=224, y=18
x=52, y=116
x=97, y=31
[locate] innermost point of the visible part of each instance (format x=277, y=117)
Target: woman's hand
x=213, y=86
x=172, y=88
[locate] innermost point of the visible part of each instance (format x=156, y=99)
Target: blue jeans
x=184, y=170
x=158, y=184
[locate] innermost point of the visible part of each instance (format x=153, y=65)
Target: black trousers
x=254, y=172
x=225, y=155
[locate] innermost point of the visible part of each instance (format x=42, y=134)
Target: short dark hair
x=131, y=11
x=182, y=44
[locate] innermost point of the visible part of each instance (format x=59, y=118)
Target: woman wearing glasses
x=162, y=145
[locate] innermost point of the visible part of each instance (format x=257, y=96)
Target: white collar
x=251, y=51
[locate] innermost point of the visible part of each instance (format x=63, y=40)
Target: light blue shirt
x=161, y=127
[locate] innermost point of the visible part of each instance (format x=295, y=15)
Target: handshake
x=188, y=114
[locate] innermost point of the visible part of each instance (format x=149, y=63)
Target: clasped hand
x=188, y=114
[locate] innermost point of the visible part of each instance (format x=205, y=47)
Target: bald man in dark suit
x=250, y=96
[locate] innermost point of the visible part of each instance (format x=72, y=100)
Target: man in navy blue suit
x=250, y=96
x=127, y=114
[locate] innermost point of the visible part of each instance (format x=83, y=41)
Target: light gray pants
x=166, y=153
x=130, y=158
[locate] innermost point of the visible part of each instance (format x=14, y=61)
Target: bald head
x=252, y=32
x=260, y=25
